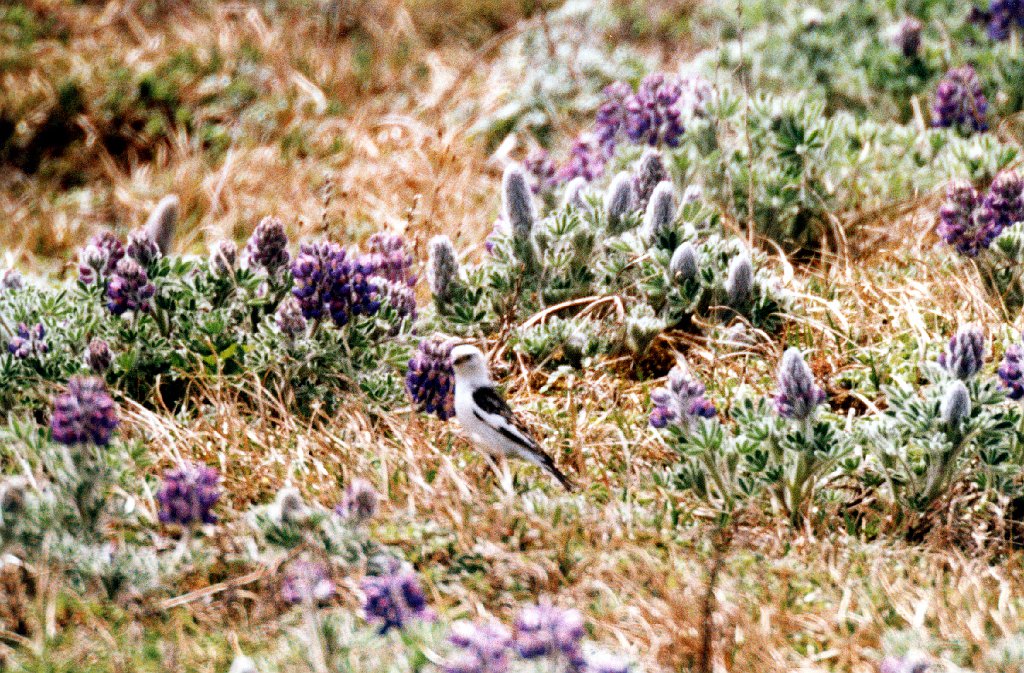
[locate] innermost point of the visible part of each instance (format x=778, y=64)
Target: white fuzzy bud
x=684, y=264
x=518, y=202
x=618, y=200
x=956, y=405
x=740, y=282
x=162, y=221
x=661, y=211
x=442, y=266
x=574, y=194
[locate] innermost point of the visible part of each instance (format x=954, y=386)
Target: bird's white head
x=470, y=365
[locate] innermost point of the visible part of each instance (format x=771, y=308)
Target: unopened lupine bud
x=243, y=664
x=956, y=405
x=442, y=267
x=98, y=259
x=360, y=502
x=162, y=222
x=223, y=257
x=289, y=507
x=618, y=201
x=650, y=172
x=798, y=395
x=692, y=194
x=683, y=265
x=98, y=356
x=907, y=36
x=661, y=211
x=268, y=247
x=142, y=247
x=518, y=202
x=306, y=582
x=965, y=354
x=739, y=283
x=28, y=341
x=574, y=194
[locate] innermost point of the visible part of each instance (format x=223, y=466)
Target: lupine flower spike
x=574, y=194
x=223, y=257
x=681, y=402
x=547, y=631
x=129, y=289
x=519, y=213
x=1011, y=372
x=482, y=648
x=188, y=494
x=394, y=599
x=98, y=357
x=431, y=378
x=960, y=224
x=28, y=341
x=798, y=395
x=960, y=101
x=289, y=318
x=143, y=248
x=661, y=211
x=650, y=172
x=99, y=258
x=267, y=248
x=965, y=354
x=84, y=414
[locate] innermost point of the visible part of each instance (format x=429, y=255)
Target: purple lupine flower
x=394, y=599
x=482, y=648
x=353, y=288
x=611, y=116
x=289, y=318
x=907, y=36
x=98, y=356
x=85, y=413
x=431, y=379
x=143, y=248
x=267, y=248
x=544, y=630
x=99, y=258
x=653, y=114
x=798, y=395
x=11, y=279
x=307, y=582
x=965, y=354
x=586, y=160
x=129, y=288
x=962, y=222
x=188, y=494
x=311, y=272
x=960, y=101
x=540, y=169
x=28, y=341
x=1002, y=16
x=1004, y=203
x=680, y=403
x=359, y=503
x=223, y=257
x=393, y=263
x=1011, y=372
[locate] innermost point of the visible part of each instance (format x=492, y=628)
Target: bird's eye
x=461, y=359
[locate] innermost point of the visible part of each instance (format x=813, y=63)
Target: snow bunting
x=487, y=418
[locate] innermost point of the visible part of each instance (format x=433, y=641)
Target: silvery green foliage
x=931, y=437
x=162, y=222
x=290, y=523
x=559, y=68
x=759, y=455
x=573, y=341
x=584, y=263
x=63, y=504
x=643, y=325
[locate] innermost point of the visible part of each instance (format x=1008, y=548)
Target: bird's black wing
x=489, y=401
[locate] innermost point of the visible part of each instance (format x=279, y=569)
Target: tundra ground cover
x=757, y=293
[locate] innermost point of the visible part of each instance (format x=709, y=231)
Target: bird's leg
x=502, y=473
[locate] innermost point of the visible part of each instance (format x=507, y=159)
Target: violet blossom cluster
x=480, y=648
x=965, y=353
x=188, y=494
x=798, y=395
x=544, y=630
x=394, y=599
x=681, y=402
x=129, y=288
x=960, y=101
x=99, y=258
x=84, y=414
x=28, y=341
x=307, y=582
x=970, y=222
x=329, y=279
x=431, y=378
x=1011, y=372
x=393, y=263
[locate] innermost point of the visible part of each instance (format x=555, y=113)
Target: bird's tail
x=546, y=462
